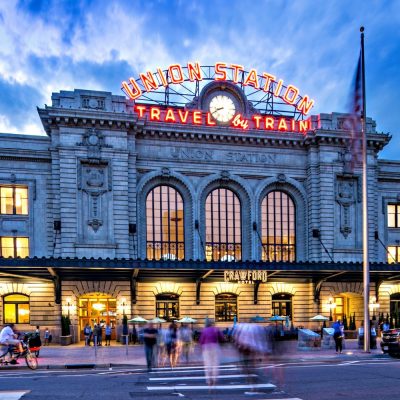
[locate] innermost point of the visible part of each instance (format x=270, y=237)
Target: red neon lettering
x=252, y=79
x=170, y=116
x=197, y=117
x=178, y=69
x=282, y=126
x=236, y=69
x=220, y=70
x=194, y=72
x=268, y=79
x=305, y=105
x=183, y=116
x=162, y=77
x=210, y=121
x=239, y=122
x=257, y=119
x=149, y=81
x=135, y=93
x=303, y=125
x=293, y=123
x=155, y=113
x=290, y=94
x=278, y=87
x=140, y=110
x=269, y=123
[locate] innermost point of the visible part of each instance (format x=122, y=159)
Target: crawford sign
x=245, y=276
x=175, y=74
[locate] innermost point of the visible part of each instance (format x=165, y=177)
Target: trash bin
x=361, y=338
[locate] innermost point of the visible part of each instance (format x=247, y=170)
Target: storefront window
x=282, y=304
x=225, y=307
x=14, y=246
x=16, y=309
x=393, y=213
x=167, y=306
x=395, y=310
x=278, y=227
x=13, y=200
x=223, y=226
x=165, y=224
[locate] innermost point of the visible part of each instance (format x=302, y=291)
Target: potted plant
x=65, y=338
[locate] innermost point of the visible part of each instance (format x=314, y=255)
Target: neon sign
x=175, y=74
x=197, y=117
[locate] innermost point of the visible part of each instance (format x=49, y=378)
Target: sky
x=47, y=46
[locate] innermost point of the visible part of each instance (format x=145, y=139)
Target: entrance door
x=97, y=309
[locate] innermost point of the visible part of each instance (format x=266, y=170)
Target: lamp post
x=68, y=305
x=331, y=305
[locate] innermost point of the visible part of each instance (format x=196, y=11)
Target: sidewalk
x=118, y=355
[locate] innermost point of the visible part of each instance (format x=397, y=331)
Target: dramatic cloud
x=47, y=46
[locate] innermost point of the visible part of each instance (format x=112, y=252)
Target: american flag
x=353, y=122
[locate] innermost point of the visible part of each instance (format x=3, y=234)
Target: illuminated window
x=339, y=309
x=225, y=307
x=165, y=224
x=14, y=246
x=393, y=213
x=278, y=227
x=16, y=309
x=167, y=306
x=223, y=226
x=393, y=254
x=13, y=200
x=282, y=304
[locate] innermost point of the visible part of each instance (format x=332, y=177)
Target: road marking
x=216, y=387
x=173, y=378
x=12, y=394
x=175, y=371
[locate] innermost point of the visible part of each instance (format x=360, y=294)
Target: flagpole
x=367, y=331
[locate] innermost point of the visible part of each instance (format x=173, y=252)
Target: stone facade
x=89, y=177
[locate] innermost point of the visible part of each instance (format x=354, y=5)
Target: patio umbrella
x=157, y=320
x=257, y=318
x=319, y=318
x=277, y=318
x=187, y=320
x=137, y=320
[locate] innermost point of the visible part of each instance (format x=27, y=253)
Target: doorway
x=97, y=309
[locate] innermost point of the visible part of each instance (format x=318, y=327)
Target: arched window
x=395, y=310
x=225, y=307
x=278, y=227
x=165, y=224
x=282, y=304
x=16, y=309
x=223, y=226
x=167, y=306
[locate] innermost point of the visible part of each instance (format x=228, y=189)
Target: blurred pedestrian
x=338, y=332
x=99, y=335
x=172, y=344
x=87, y=332
x=210, y=339
x=185, y=337
x=107, y=332
x=150, y=340
x=46, y=337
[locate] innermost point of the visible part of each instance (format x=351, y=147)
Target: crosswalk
x=12, y=394
x=231, y=380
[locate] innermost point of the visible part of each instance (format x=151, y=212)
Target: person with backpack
x=87, y=331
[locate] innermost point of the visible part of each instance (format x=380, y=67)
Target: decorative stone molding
x=226, y=287
x=168, y=287
x=278, y=287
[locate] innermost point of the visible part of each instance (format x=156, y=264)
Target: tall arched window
x=167, y=306
x=165, y=224
x=225, y=307
x=278, y=227
x=282, y=304
x=16, y=309
x=223, y=226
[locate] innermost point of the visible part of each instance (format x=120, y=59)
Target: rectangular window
x=393, y=214
x=393, y=254
x=14, y=200
x=14, y=246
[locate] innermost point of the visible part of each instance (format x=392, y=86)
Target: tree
x=65, y=326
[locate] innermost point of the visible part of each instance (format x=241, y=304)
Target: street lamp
x=123, y=306
x=373, y=305
x=331, y=305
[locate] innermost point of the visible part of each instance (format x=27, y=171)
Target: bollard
x=95, y=346
x=126, y=344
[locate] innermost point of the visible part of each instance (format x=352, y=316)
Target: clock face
x=222, y=108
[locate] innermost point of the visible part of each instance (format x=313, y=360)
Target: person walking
x=209, y=340
x=150, y=341
x=107, y=332
x=185, y=337
x=338, y=333
x=172, y=344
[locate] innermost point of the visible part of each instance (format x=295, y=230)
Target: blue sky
x=47, y=46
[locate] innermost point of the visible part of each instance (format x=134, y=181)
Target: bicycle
x=13, y=355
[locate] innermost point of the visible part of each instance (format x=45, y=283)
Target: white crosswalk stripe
x=12, y=394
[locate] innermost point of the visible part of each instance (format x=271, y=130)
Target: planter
x=65, y=340
x=350, y=334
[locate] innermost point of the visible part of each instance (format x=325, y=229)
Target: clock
x=222, y=107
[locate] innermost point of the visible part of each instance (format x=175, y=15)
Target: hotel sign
x=245, y=276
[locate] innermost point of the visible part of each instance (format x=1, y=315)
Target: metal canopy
x=68, y=269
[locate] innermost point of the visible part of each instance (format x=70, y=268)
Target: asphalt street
x=303, y=380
